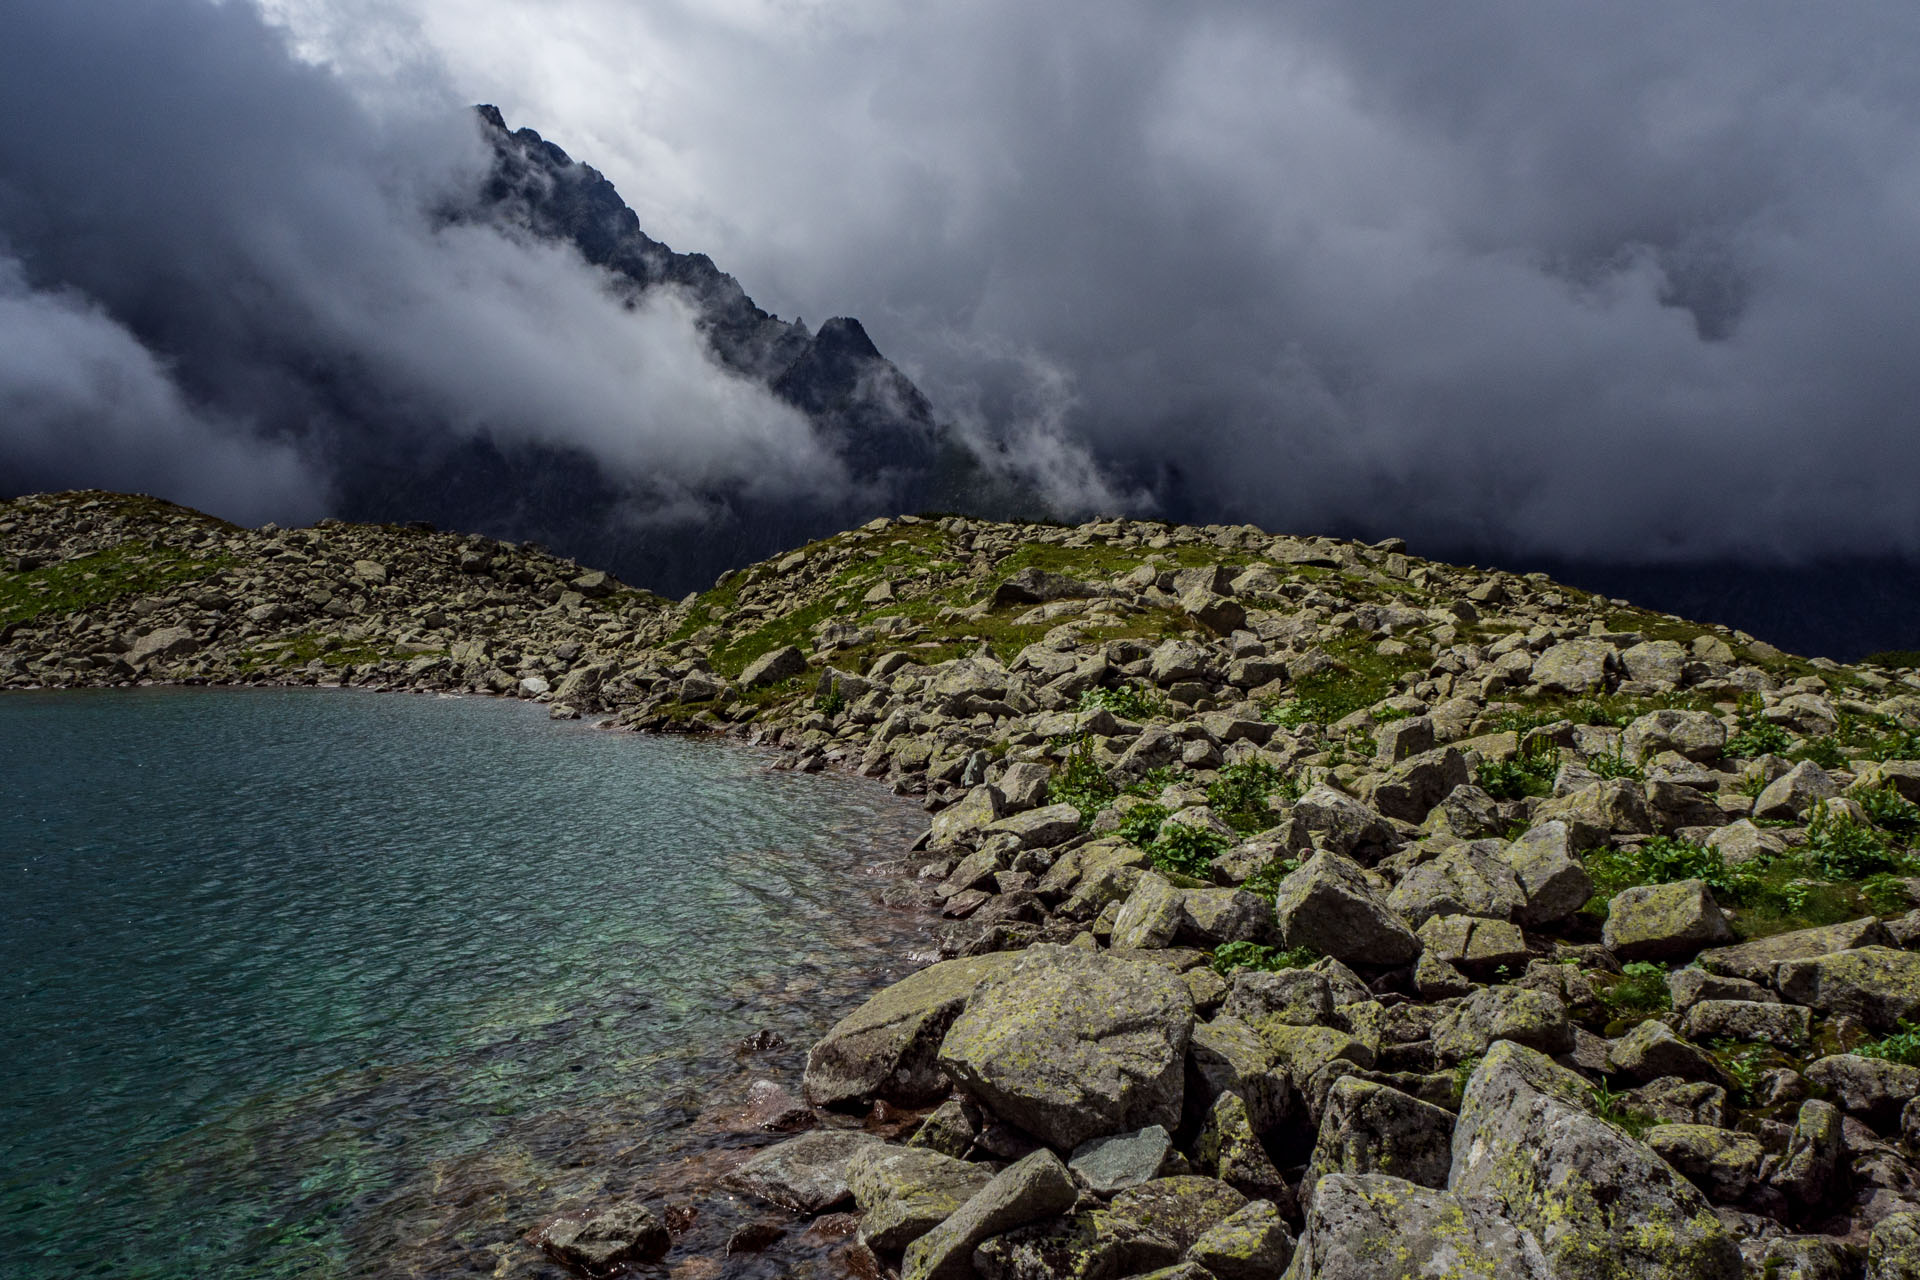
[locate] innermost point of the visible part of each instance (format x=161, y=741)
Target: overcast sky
x=1639, y=281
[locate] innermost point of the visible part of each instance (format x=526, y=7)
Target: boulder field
x=1305, y=908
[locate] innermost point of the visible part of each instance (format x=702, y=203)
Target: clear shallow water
x=308, y=982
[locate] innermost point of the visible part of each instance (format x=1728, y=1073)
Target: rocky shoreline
x=1314, y=909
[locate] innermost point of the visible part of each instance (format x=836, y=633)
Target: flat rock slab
x=1072, y=1045
x=905, y=1192
x=1878, y=985
x=803, y=1175
x=1755, y=961
x=1373, y=1226
x=1123, y=1160
x=1031, y=1189
x=887, y=1048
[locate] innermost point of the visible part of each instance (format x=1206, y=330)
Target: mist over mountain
x=1628, y=299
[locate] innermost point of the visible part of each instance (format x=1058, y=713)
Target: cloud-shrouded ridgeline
x=1630, y=284
x=223, y=274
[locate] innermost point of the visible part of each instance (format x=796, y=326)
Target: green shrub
x=1756, y=737
x=1140, y=825
x=1824, y=752
x=1611, y=1105
x=1187, y=850
x=1903, y=1046
x=1892, y=811
x=1080, y=781
x=1615, y=764
x=1266, y=881
x=1239, y=795
x=1885, y=893
x=1528, y=773
x=1128, y=701
x=1844, y=849
x=1229, y=956
x=831, y=703
x=1663, y=860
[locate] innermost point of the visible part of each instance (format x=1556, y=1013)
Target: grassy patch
x=1638, y=992
x=73, y=586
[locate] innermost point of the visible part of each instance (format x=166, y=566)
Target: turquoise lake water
x=324, y=983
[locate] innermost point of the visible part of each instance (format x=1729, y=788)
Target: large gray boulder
x=1576, y=666
x=1252, y=1243
x=771, y=668
x=905, y=1192
x=1073, y=1044
x=1372, y=1128
x=887, y=1048
x=1330, y=905
x=1601, y=1204
x=165, y=645
x=1664, y=921
x=1338, y=823
x=1142, y=1229
x=1464, y=880
x=1794, y=793
x=1409, y=790
x=1552, y=879
x=1757, y=961
x=1878, y=985
x=1697, y=735
x=1537, y=1019
x=1029, y=1190
x=1371, y=1226
x=1229, y=1056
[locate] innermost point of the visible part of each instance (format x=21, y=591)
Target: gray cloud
x=1628, y=281
x=223, y=259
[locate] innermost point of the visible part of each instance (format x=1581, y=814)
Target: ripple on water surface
x=310, y=982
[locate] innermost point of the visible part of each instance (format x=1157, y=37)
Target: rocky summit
x=1305, y=908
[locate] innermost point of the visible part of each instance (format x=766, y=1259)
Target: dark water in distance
x=310, y=982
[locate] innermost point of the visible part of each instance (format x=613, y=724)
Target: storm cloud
x=1626, y=281
x=1621, y=282
x=215, y=255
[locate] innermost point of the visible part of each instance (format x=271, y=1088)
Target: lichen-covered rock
x=1466, y=880
x=1340, y=824
x=888, y=1047
x=1552, y=880
x=1229, y=1150
x=1031, y=1189
x=1537, y=1019
x=979, y=808
x=607, y=1241
x=1410, y=789
x=1212, y=917
x=1251, y=1243
x=1151, y=915
x=807, y=1174
x=1756, y=961
x=1755, y=1021
x=1072, y=1044
x=905, y=1192
x=1329, y=905
x=1302, y=997
x=1141, y=1229
x=1473, y=943
x=1372, y=1226
x=1228, y=1056
x=1808, y=1169
x=1121, y=1160
x=1720, y=1162
x=1576, y=666
x=1871, y=1088
x=1602, y=1205
x=1893, y=1251
x=1651, y=1050
x=771, y=668
x=1697, y=735
x=1598, y=811
x=1794, y=793
x=1372, y=1128
x=1878, y=985
x=1664, y=921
